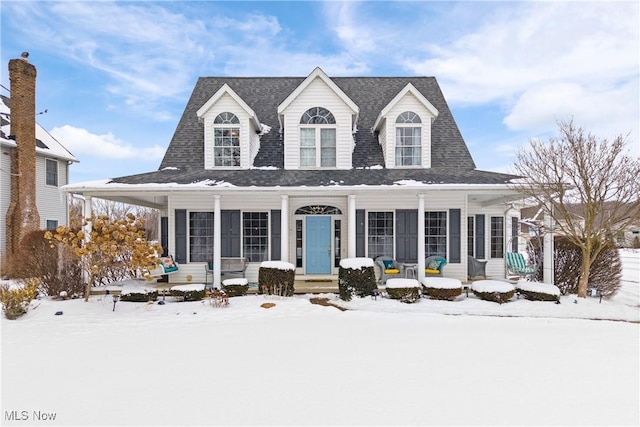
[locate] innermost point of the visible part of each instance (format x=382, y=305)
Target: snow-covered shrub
x=15, y=298
x=276, y=278
x=57, y=267
x=142, y=295
x=235, y=290
x=188, y=292
x=442, y=288
x=537, y=291
x=356, y=277
x=604, y=275
x=493, y=290
x=406, y=290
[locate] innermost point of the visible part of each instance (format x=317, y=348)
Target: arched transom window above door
x=317, y=138
x=318, y=210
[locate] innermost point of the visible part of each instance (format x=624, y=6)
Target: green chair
x=517, y=266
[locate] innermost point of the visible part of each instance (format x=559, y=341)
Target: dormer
x=230, y=129
x=404, y=129
x=318, y=121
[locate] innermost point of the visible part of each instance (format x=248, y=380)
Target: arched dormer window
x=226, y=140
x=317, y=135
x=408, y=139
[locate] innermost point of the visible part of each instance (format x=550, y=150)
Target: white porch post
x=351, y=241
x=217, y=236
x=421, y=237
x=547, y=271
x=284, y=228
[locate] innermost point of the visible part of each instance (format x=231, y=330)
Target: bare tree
x=590, y=186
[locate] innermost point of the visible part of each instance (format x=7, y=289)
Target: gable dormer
x=404, y=129
x=318, y=121
x=230, y=128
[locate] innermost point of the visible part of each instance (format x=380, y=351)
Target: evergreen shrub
x=276, y=281
x=188, y=295
x=448, y=294
x=235, y=290
x=139, y=296
x=408, y=295
x=499, y=297
x=359, y=282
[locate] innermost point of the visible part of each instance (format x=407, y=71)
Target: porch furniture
x=230, y=267
x=388, y=268
x=476, y=268
x=517, y=266
x=434, y=266
x=410, y=271
x=166, y=266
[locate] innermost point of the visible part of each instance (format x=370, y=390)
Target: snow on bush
x=356, y=277
x=442, y=288
x=537, y=291
x=189, y=292
x=356, y=263
x=493, y=290
x=406, y=290
x=276, y=278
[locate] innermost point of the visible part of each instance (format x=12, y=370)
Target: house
x=313, y=169
x=33, y=164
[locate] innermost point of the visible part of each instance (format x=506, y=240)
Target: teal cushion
x=387, y=263
x=434, y=265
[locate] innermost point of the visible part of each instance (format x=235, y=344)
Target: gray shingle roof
x=451, y=160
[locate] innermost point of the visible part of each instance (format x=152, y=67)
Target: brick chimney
x=22, y=215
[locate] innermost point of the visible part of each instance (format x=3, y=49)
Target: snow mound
x=356, y=263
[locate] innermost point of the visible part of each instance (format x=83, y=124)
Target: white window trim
x=318, y=144
x=46, y=173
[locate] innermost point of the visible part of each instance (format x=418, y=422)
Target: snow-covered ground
x=382, y=362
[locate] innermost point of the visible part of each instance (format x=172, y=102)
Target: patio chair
x=476, y=268
x=388, y=268
x=434, y=266
x=517, y=266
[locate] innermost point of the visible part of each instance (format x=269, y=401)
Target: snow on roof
x=356, y=263
x=53, y=147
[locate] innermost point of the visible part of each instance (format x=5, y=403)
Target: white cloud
x=83, y=143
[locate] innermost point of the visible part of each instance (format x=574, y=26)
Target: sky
x=115, y=77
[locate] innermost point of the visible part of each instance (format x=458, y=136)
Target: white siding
x=318, y=94
x=5, y=194
x=407, y=103
x=227, y=103
x=51, y=202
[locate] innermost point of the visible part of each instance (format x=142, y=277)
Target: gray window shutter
x=455, y=236
x=276, y=235
x=360, y=233
x=407, y=235
x=181, y=235
x=480, y=237
x=230, y=233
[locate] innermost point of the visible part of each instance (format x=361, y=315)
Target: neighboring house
x=52, y=161
x=312, y=170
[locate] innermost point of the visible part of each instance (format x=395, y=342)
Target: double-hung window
x=51, y=172
x=200, y=236
x=255, y=232
x=435, y=233
x=408, y=139
x=317, y=138
x=380, y=230
x=497, y=237
x=226, y=140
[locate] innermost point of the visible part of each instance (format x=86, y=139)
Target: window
x=200, y=236
x=435, y=233
x=51, y=172
x=497, y=237
x=226, y=140
x=408, y=139
x=317, y=135
x=52, y=224
x=471, y=244
x=380, y=234
x=255, y=233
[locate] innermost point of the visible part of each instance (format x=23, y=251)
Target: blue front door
x=318, y=245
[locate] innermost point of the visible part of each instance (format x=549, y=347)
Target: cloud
x=83, y=143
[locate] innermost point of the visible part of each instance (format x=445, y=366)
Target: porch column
x=217, y=237
x=421, y=237
x=351, y=241
x=284, y=228
x=547, y=271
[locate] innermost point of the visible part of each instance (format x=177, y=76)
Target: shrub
x=235, y=290
x=493, y=290
x=188, y=294
x=604, y=275
x=407, y=295
x=141, y=296
x=536, y=291
x=16, y=299
x=276, y=281
x=57, y=267
x=359, y=282
x=443, y=294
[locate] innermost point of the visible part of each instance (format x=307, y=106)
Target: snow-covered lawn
x=382, y=362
